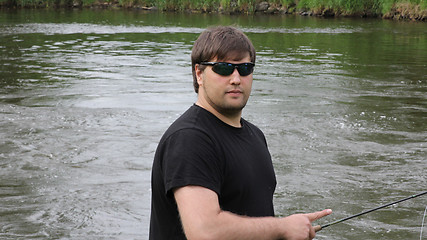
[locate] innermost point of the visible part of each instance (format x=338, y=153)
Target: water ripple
x=82, y=28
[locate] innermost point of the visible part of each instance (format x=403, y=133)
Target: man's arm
x=202, y=218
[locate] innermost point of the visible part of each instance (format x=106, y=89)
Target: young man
x=212, y=175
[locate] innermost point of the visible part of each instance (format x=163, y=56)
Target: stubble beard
x=226, y=109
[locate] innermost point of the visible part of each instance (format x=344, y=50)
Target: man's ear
x=199, y=74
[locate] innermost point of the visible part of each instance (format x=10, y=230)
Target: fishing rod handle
x=317, y=228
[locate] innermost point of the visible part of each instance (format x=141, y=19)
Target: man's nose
x=235, y=77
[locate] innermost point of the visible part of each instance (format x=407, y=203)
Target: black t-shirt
x=199, y=149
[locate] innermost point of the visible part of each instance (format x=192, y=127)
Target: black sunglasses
x=225, y=69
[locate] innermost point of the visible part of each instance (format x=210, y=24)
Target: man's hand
x=299, y=226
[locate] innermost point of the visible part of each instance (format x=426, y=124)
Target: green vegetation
x=413, y=9
x=397, y=9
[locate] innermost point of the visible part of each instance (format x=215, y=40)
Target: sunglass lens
x=245, y=69
x=223, y=69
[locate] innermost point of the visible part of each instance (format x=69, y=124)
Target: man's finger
x=316, y=215
x=317, y=228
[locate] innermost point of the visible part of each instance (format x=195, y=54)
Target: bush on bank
x=395, y=9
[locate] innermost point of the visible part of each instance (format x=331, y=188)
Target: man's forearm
x=202, y=218
x=226, y=225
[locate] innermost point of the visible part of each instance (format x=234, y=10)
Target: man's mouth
x=235, y=91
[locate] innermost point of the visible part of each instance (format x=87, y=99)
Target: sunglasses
x=225, y=69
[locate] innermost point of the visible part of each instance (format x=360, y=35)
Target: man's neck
x=230, y=119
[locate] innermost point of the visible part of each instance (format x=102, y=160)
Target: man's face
x=228, y=95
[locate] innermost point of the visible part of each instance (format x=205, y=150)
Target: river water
x=85, y=96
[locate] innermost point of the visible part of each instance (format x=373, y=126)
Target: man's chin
x=231, y=110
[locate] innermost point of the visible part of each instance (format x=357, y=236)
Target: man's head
x=222, y=44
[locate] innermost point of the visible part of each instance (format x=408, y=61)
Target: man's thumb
x=317, y=215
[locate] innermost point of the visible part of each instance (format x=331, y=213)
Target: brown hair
x=223, y=43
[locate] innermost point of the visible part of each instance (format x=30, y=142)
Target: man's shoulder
x=192, y=120
x=251, y=126
x=189, y=119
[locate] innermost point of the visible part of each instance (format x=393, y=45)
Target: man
x=212, y=175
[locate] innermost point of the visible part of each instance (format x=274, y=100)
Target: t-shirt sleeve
x=191, y=158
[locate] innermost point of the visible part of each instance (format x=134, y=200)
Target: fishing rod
x=320, y=227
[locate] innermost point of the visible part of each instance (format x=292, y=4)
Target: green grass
x=317, y=7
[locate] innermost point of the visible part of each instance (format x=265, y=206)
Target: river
x=85, y=96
